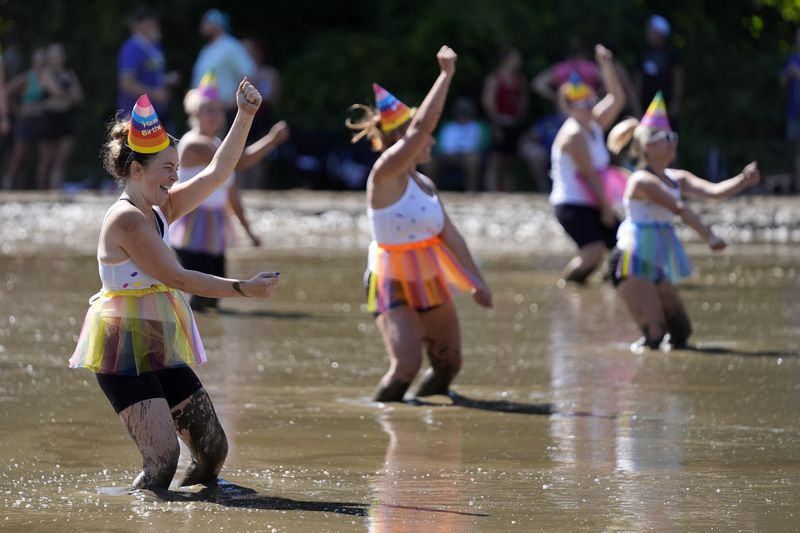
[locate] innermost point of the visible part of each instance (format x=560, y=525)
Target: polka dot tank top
x=127, y=275
x=416, y=216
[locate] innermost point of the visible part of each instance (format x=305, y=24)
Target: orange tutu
x=420, y=274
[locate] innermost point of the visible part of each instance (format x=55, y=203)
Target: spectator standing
x=660, y=69
x=461, y=143
x=141, y=67
x=63, y=94
x=505, y=101
x=225, y=56
x=790, y=77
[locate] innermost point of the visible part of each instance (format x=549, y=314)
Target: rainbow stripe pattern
x=575, y=89
x=651, y=251
x=128, y=332
x=146, y=134
x=393, y=112
x=419, y=274
x=202, y=230
x=656, y=115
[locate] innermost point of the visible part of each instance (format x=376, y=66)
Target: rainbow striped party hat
x=393, y=112
x=207, y=88
x=656, y=114
x=575, y=89
x=146, y=135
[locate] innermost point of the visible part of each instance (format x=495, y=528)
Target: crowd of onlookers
x=486, y=145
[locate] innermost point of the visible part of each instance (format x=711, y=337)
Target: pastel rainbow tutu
x=421, y=274
x=202, y=230
x=128, y=332
x=651, y=251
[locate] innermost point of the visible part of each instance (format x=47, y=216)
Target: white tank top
x=217, y=199
x=127, y=274
x=644, y=212
x=568, y=187
x=416, y=216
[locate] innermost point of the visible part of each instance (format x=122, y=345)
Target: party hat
x=656, y=114
x=575, y=89
x=207, y=88
x=146, y=134
x=393, y=112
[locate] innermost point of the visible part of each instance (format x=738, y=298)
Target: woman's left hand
x=248, y=99
x=483, y=296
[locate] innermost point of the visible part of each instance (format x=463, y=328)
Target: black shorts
x=584, y=224
x=508, y=140
x=172, y=384
x=27, y=129
x=57, y=124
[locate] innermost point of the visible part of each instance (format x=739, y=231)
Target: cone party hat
x=146, y=134
x=656, y=114
x=576, y=89
x=393, y=112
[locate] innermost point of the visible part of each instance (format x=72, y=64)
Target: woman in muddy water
x=648, y=259
x=200, y=237
x=139, y=336
x=417, y=253
x=580, y=164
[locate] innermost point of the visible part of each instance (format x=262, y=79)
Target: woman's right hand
x=262, y=285
x=716, y=244
x=447, y=60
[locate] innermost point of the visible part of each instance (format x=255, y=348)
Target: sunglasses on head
x=586, y=103
x=669, y=136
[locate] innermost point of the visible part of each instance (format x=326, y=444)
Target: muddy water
x=603, y=439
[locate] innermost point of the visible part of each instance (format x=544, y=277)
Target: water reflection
x=421, y=485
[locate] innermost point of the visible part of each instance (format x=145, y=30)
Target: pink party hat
x=146, y=134
x=393, y=112
x=575, y=89
x=656, y=115
x=207, y=88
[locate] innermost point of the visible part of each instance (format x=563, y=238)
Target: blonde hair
x=628, y=139
x=369, y=126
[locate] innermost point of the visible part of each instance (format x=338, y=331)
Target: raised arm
x=401, y=155
x=608, y=109
x=697, y=187
x=186, y=196
x=260, y=149
x=134, y=233
x=649, y=188
x=542, y=85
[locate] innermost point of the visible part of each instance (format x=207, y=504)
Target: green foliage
x=329, y=53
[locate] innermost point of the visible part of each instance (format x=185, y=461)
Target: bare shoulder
x=124, y=218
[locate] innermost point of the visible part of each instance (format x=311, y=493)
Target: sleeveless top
x=416, y=216
x=644, y=212
x=127, y=274
x=217, y=199
x=568, y=186
x=508, y=96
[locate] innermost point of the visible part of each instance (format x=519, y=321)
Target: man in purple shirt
x=141, y=67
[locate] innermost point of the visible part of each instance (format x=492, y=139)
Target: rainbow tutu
x=128, y=332
x=651, y=251
x=419, y=274
x=202, y=230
